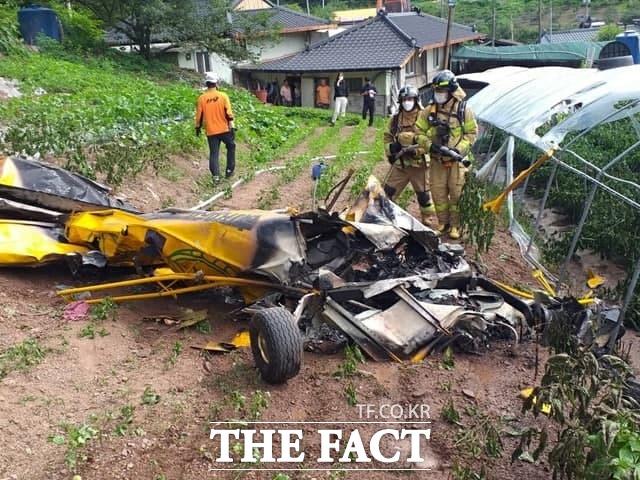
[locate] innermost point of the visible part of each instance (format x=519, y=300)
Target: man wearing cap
x=214, y=109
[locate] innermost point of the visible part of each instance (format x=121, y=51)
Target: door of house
x=202, y=62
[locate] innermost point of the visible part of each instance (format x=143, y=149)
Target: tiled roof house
x=574, y=35
x=392, y=49
x=296, y=31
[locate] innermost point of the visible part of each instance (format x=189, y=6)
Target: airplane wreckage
x=372, y=274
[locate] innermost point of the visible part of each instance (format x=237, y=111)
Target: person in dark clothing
x=368, y=93
x=340, y=98
x=214, y=111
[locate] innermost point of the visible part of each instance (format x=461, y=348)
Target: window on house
x=436, y=57
x=202, y=62
x=410, y=67
x=354, y=84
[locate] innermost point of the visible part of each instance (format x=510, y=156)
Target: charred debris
x=371, y=274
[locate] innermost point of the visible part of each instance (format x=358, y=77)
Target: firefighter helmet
x=408, y=91
x=445, y=80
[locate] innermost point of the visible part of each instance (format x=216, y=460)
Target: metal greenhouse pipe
x=607, y=188
x=543, y=203
x=586, y=209
x=628, y=296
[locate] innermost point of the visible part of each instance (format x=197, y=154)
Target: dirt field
x=143, y=398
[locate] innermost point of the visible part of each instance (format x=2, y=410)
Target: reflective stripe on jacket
x=406, y=122
x=461, y=136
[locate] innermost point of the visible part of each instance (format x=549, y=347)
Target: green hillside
x=517, y=19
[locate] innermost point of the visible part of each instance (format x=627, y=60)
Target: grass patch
x=22, y=356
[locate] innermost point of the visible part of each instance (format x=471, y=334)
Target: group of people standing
x=428, y=146
x=431, y=148
x=290, y=94
x=341, y=98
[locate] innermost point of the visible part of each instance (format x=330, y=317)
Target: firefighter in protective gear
x=447, y=122
x=409, y=161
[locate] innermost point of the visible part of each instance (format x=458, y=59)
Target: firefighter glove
x=406, y=138
x=394, y=148
x=442, y=130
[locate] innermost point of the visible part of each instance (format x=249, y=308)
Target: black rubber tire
x=276, y=344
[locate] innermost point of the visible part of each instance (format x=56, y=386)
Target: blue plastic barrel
x=632, y=40
x=35, y=20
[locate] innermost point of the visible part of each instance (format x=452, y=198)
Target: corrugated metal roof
x=544, y=52
x=382, y=42
x=575, y=35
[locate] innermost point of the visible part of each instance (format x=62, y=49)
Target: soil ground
x=151, y=398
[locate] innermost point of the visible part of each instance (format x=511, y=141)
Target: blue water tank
x=35, y=20
x=632, y=40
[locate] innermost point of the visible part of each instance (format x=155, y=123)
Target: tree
x=141, y=21
x=608, y=32
x=209, y=24
x=212, y=26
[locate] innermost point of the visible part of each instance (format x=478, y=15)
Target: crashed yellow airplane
x=373, y=274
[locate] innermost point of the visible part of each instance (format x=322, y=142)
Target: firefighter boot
x=428, y=214
x=427, y=218
x=454, y=233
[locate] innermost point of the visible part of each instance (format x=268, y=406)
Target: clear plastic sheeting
x=519, y=101
x=561, y=100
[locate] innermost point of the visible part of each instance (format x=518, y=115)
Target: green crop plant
x=450, y=413
x=368, y=163
x=257, y=403
x=346, y=158
x=176, y=350
x=105, y=122
x=598, y=423
x=21, y=356
x=352, y=357
x=477, y=223
x=295, y=167
x=104, y=310
x=76, y=440
x=352, y=394
x=124, y=420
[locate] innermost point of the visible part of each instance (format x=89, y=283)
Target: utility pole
x=493, y=24
x=511, y=28
x=587, y=3
x=447, y=41
x=539, y=20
